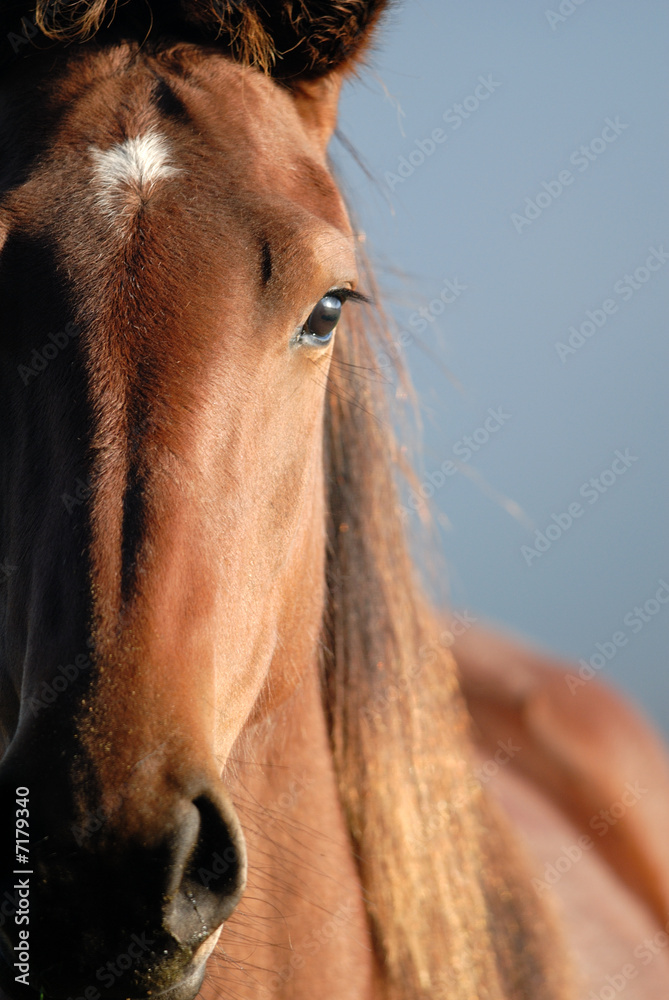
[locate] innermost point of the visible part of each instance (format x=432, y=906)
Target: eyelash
x=349, y=295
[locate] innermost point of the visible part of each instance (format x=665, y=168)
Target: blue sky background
x=551, y=86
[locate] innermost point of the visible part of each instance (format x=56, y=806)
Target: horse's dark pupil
x=325, y=316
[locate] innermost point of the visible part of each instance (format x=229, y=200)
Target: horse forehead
x=266, y=145
x=235, y=125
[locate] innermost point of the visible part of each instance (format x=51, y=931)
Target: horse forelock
x=288, y=39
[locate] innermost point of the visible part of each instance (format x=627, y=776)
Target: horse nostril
x=208, y=872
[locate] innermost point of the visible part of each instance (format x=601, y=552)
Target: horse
x=243, y=754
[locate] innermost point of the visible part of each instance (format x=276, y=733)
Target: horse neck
x=301, y=929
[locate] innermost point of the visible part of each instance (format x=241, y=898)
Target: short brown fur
x=452, y=915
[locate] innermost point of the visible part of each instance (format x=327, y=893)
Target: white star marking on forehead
x=136, y=164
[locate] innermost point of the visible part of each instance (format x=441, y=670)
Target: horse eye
x=323, y=319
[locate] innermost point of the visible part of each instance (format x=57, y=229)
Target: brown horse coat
x=586, y=782
x=214, y=646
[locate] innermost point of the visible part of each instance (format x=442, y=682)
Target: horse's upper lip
x=185, y=990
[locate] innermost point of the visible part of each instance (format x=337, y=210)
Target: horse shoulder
x=585, y=781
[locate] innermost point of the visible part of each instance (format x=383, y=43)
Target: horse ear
x=314, y=44
x=308, y=45
x=317, y=102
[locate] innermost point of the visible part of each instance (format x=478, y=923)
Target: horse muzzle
x=107, y=914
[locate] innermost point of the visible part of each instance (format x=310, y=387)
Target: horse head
x=175, y=257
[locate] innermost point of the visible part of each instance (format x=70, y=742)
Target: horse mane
x=452, y=910
x=451, y=906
